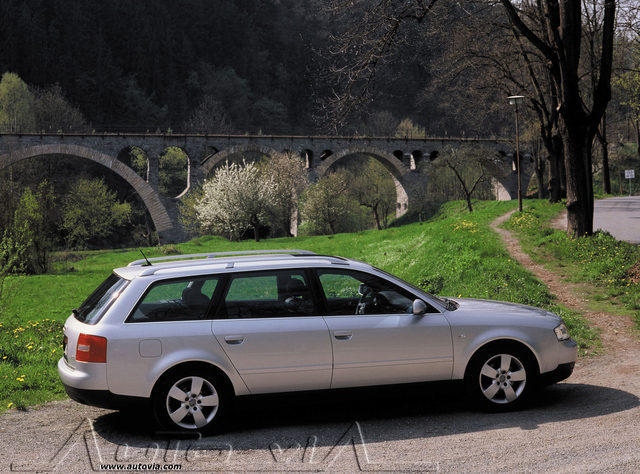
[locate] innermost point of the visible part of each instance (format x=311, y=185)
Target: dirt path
x=620, y=344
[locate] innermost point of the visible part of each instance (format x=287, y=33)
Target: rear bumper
x=103, y=398
x=562, y=372
x=87, y=384
x=86, y=375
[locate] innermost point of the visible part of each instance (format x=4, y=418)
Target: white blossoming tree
x=236, y=198
x=287, y=173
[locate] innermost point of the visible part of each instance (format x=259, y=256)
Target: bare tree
x=551, y=30
x=372, y=187
x=467, y=165
x=561, y=46
x=371, y=36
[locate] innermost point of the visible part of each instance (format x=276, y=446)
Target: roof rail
x=228, y=263
x=221, y=254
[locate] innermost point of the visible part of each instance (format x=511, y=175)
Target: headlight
x=562, y=333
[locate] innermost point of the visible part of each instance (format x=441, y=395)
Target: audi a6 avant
x=189, y=333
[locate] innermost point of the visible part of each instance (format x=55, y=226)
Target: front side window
x=271, y=294
x=92, y=309
x=176, y=300
x=350, y=292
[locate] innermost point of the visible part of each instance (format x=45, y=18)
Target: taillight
x=91, y=348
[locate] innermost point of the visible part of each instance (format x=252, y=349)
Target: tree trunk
x=468, y=197
x=555, y=169
x=606, y=178
x=636, y=124
x=539, y=167
x=579, y=198
x=256, y=231
x=589, y=172
x=563, y=178
x=376, y=217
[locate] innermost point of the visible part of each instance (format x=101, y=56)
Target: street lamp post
x=515, y=100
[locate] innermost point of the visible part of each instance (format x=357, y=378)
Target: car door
x=270, y=327
x=375, y=335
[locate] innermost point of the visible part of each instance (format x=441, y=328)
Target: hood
x=501, y=307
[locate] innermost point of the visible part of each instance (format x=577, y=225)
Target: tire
x=191, y=399
x=501, y=377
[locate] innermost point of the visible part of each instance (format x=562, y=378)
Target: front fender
x=467, y=343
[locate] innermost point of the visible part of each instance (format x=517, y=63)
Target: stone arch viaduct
x=400, y=156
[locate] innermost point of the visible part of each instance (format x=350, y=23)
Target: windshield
x=446, y=302
x=96, y=304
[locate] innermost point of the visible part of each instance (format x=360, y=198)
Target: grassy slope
x=601, y=260
x=454, y=254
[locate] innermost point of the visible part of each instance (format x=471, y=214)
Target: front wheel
x=191, y=400
x=501, y=379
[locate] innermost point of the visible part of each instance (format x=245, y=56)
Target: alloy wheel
x=502, y=378
x=192, y=402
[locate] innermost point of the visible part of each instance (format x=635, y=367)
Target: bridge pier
x=505, y=185
x=153, y=170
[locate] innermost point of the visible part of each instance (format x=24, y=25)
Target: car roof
x=176, y=266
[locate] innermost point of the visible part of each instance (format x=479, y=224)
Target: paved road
x=620, y=216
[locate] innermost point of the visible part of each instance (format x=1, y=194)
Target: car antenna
x=148, y=264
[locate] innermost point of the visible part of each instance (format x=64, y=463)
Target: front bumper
x=562, y=372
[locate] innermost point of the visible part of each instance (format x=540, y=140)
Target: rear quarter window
x=94, y=307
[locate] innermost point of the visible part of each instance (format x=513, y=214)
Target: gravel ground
x=591, y=422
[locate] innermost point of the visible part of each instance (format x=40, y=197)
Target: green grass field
x=611, y=266
x=453, y=254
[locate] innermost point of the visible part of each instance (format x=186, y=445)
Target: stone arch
x=125, y=155
x=185, y=180
x=225, y=154
x=400, y=173
x=161, y=220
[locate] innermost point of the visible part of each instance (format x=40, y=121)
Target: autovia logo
x=85, y=449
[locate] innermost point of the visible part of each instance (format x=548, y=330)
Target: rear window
x=97, y=303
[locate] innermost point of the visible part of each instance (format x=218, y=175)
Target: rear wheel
x=192, y=400
x=501, y=378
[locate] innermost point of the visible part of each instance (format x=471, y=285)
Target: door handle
x=342, y=335
x=234, y=340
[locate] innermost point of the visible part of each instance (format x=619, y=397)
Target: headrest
x=192, y=297
x=296, y=287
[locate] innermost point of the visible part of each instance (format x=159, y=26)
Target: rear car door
x=376, y=337
x=269, y=325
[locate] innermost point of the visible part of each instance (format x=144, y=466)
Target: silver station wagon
x=189, y=333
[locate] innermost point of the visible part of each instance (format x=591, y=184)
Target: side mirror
x=419, y=307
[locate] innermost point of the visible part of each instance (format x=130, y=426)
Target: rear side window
x=272, y=294
x=176, y=300
x=97, y=303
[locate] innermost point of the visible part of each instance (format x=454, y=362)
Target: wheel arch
x=233, y=388
x=502, y=341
